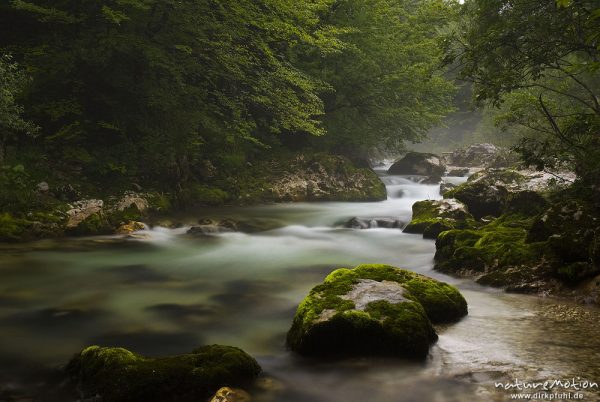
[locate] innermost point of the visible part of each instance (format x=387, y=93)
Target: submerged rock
x=373, y=310
x=209, y=227
x=431, y=217
x=118, y=375
x=435, y=179
x=227, y=394
x=420, y=164
x=377, y=222
x=131, y=227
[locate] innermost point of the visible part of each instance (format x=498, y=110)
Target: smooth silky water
x=170, y=293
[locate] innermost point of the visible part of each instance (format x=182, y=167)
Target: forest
x=180, y=175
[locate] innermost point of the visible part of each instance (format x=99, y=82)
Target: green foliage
x=199, y=194
x=153, y=91
x=147, y=88
x=539, y=60
x=12, y=83
x=12, y=229
x=386, y=86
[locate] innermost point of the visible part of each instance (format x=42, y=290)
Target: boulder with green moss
x=490, y=248
x=118, y=375
x=494, y=192
x=431, y=217
x=521, y=253
x=323, y=177
x=374, y=310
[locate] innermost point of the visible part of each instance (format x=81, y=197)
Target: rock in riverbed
x=419, y=164
x=431, y=217
x=373, y=310
x=118, y=375
x=375, y=222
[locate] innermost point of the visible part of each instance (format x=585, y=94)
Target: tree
x=541, y=58
x=387, y=85
x=149, y=88
x=12, y=82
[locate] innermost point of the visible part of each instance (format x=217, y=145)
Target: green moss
x=498, y=244
x=118, y=375
x=200, y=194
x=442, y=302
x=576, y=272
x=348, y=331
x=406, y=321
x=13, y=229
x=129, y=214
x=94, y=224
x=430, y=218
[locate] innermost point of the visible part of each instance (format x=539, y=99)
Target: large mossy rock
x=418, y=163
x=324, y=177
x=497, y=191
x=118, y=375
x=570, y=228
x=517, y=253
x=490, y=248
x=374, y=310
x=431, y=217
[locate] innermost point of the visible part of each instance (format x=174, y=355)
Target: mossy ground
x=524, y=251
x=394, y=329
x=118, y=375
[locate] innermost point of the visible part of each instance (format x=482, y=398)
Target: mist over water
x=170, y=293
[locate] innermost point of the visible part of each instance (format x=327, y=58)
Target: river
x=169, y=293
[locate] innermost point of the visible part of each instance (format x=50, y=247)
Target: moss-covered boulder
x=118, y=375
x=324, y=177
x=570, y=229
x=499, y=244
x=431, y=217
x=373, y=310
x=418, y=163
x=495, y=192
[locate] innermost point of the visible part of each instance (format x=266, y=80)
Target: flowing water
x=169, y=293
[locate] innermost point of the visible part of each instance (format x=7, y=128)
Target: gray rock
x=418, y=163
x=81, y=210
x=211, y=227
x=43, y=187
x=458, y=172
x=131, y=199
x=445, y=186
x=374, y=222
x=432, y=180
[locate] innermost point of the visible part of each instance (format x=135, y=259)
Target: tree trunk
x=2, y=151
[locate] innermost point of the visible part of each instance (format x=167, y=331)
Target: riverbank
x=34, y=209
x=522, y=231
